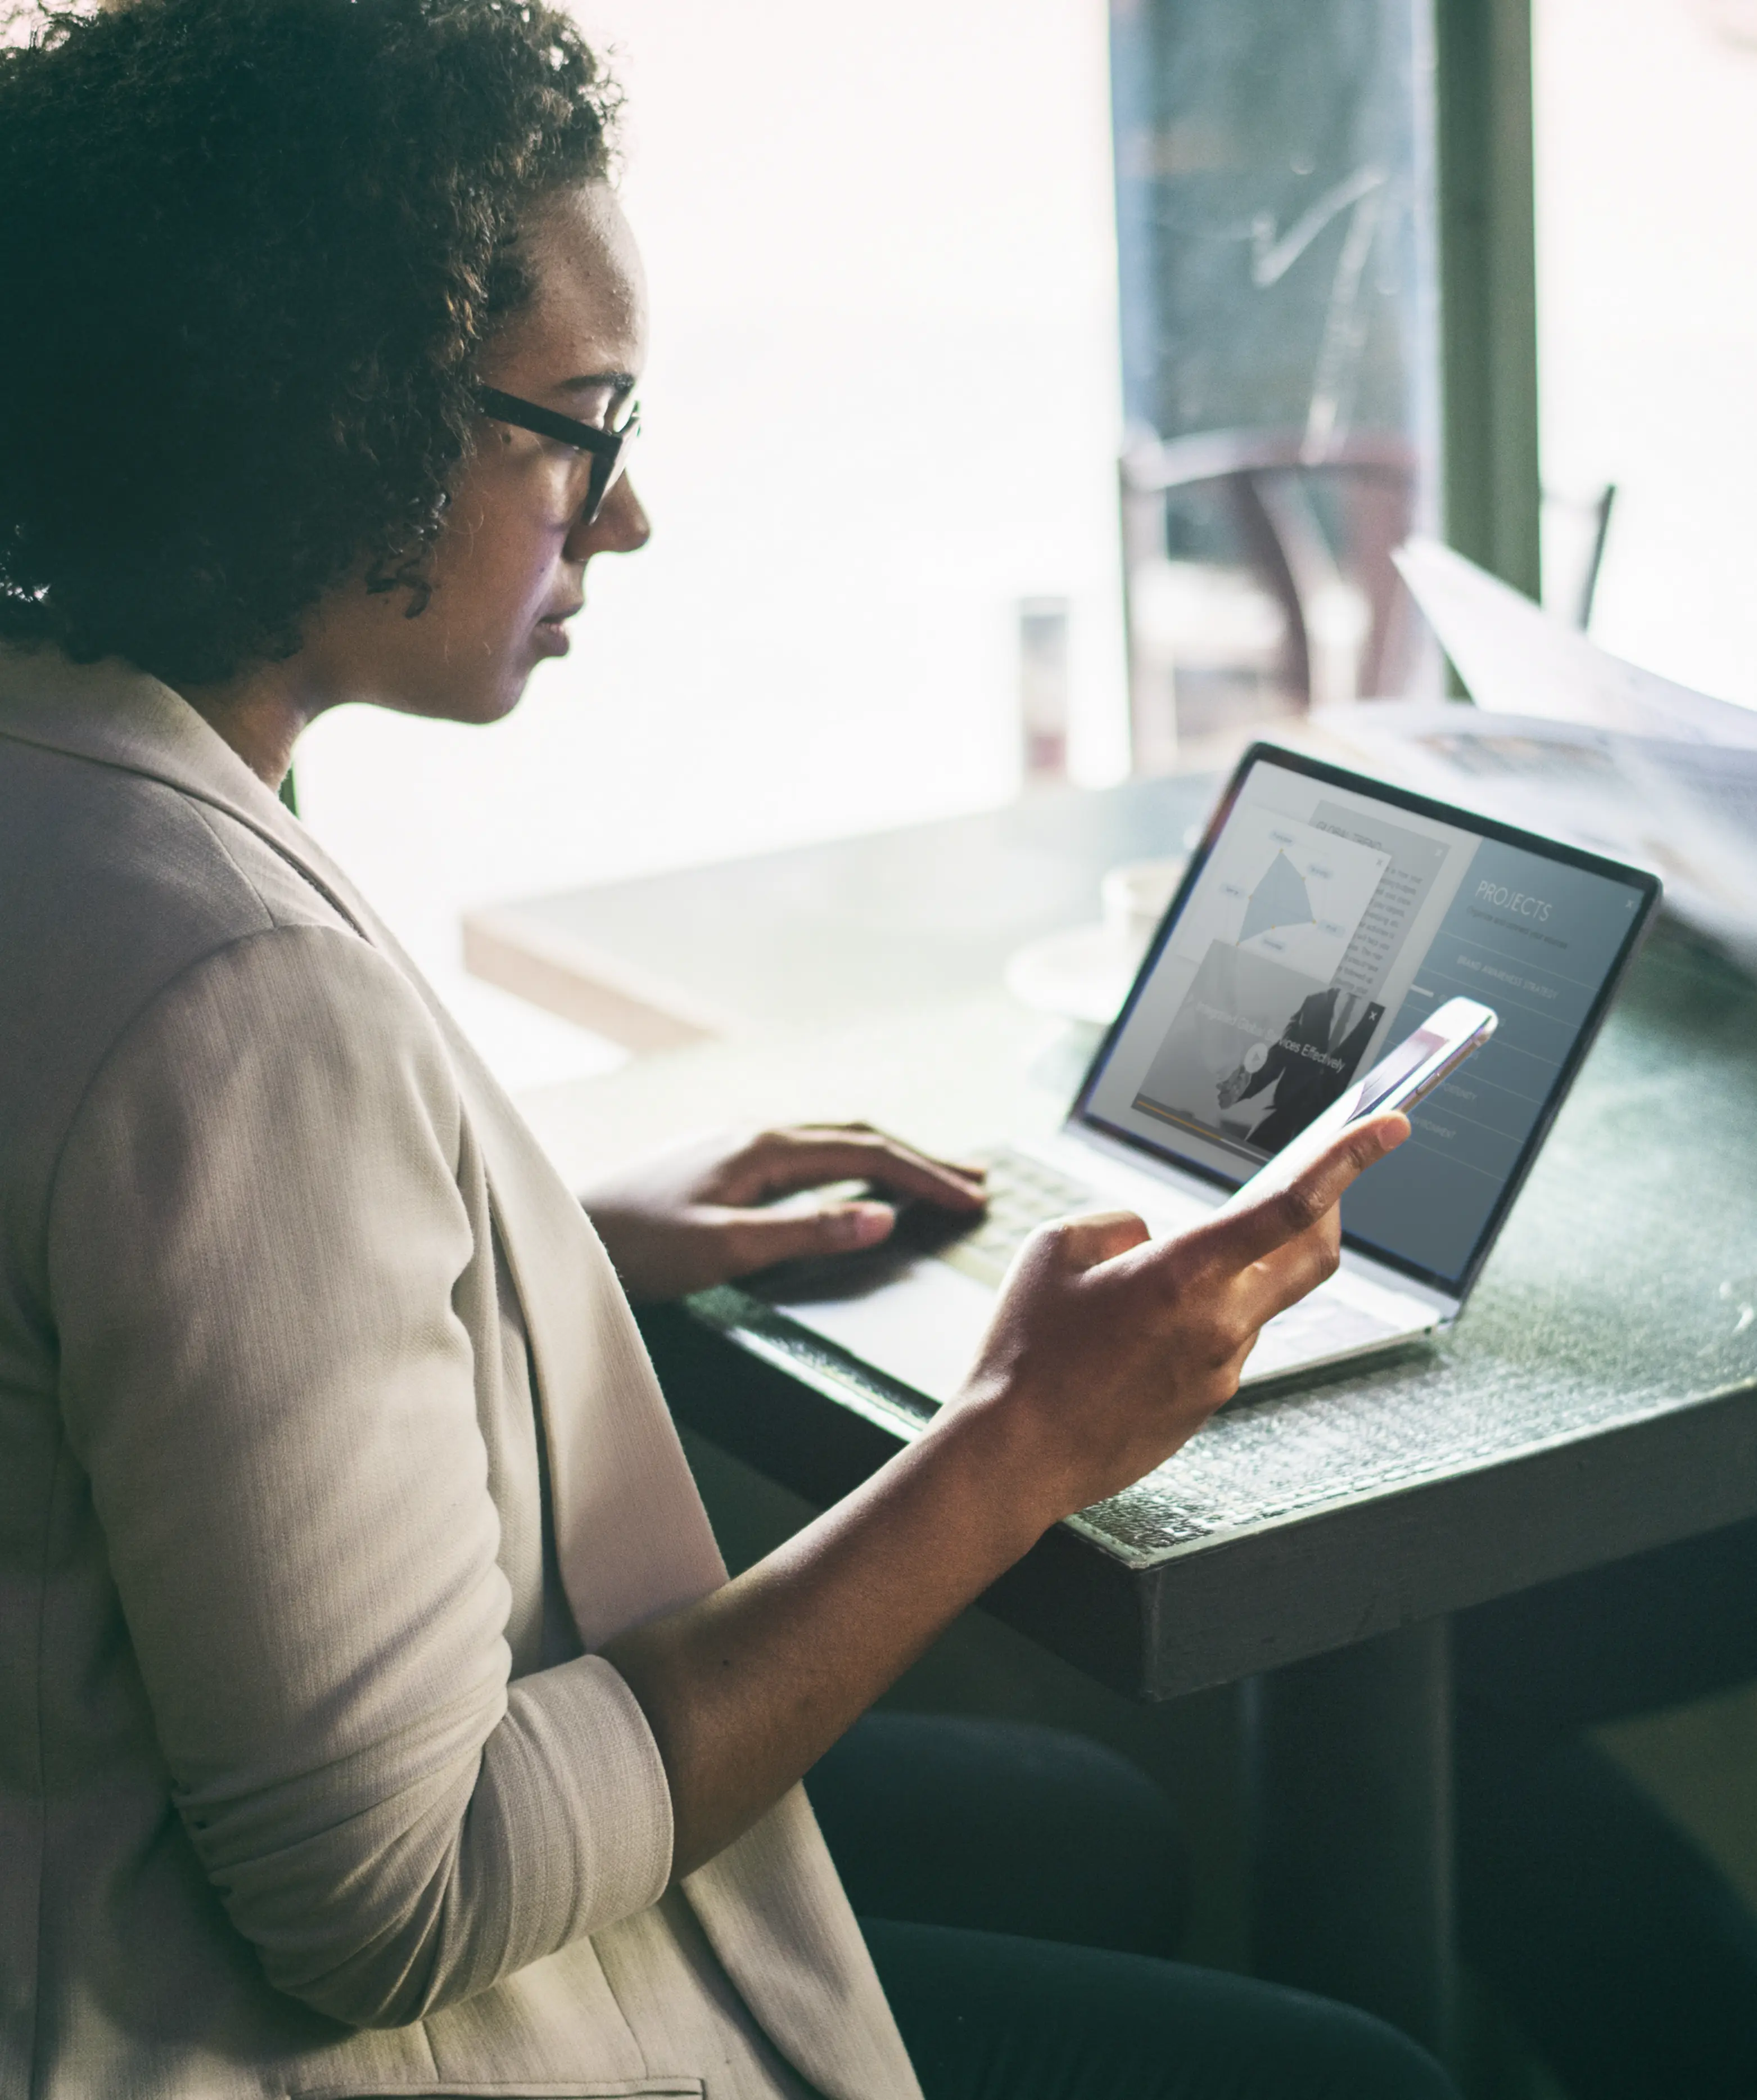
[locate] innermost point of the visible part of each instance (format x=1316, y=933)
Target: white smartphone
x=1401, y=1079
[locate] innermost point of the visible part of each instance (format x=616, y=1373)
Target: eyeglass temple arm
x=546, y=423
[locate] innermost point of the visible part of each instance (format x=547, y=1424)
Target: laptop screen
x=1323, y=919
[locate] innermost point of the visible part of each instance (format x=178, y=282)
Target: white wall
x=1646, y=115
x=882, y=406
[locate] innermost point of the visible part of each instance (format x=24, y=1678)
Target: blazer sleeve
x=256, y=1236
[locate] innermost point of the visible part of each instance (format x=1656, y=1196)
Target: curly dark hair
x=250, y=250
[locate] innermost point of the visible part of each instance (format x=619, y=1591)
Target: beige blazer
x=294, y=1799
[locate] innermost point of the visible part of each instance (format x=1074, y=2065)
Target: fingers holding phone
x=1286, y=1226
x=1109, y=1349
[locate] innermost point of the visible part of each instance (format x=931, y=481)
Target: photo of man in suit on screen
x=1303, y=1071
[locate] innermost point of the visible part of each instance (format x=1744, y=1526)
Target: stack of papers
x=1567, y=739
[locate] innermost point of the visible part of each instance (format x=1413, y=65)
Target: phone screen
x=1389, y=1073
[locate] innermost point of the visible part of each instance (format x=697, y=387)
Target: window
x=1647, y=247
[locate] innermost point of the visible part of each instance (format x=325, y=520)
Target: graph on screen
x=1283, y=890
x=1280, y=902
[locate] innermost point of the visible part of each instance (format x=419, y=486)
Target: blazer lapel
x=632, y=1537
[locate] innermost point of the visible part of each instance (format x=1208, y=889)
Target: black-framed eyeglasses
x=608, y=450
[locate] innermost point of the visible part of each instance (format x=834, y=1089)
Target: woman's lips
x=552, y=637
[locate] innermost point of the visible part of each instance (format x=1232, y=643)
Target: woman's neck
x=262, y=713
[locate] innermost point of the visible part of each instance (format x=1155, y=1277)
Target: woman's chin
x=478, y=704
x=461, y=684
x=495, y=706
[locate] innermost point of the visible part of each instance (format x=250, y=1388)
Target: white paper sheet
x=1518, y=660
x=1566, y=739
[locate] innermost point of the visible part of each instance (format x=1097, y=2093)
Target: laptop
x=1323, y=918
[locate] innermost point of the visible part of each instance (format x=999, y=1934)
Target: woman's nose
x=622, y=526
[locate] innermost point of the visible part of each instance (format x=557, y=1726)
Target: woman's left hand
x=705, y=1211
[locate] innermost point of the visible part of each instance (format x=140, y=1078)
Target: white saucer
x=1083, y=973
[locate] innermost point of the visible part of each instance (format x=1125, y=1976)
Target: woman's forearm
x=746, y=1690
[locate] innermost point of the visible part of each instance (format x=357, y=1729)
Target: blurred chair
x=1260, y=581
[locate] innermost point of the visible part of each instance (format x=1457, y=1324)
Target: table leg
x=1351, y=1803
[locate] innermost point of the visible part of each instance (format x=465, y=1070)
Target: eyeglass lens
x=609, y=467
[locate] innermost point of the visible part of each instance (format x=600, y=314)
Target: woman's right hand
x=1109, y=1349
x=1107, y=1352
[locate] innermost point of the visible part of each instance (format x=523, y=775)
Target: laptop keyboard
x=1023, y=1195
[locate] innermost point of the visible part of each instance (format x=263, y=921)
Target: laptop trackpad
x=920, y=1327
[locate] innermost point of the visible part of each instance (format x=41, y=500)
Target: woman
x=377, y=1717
